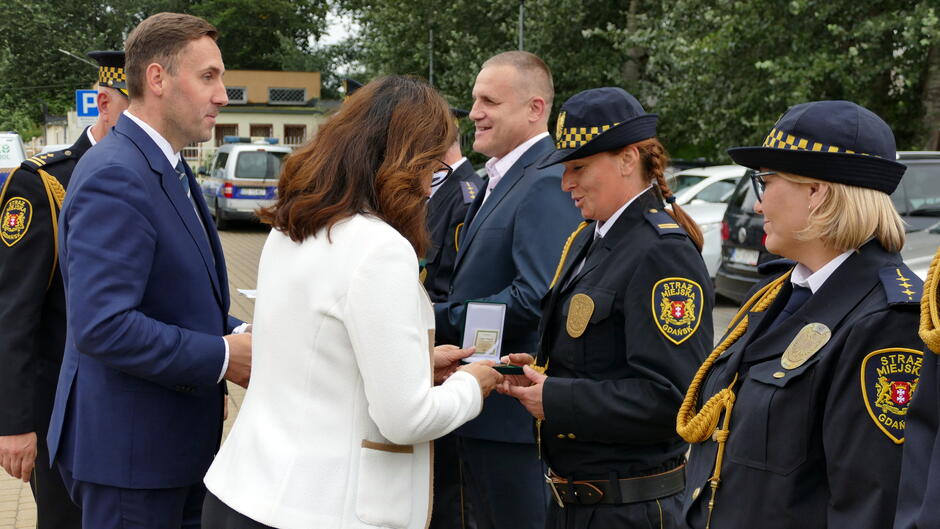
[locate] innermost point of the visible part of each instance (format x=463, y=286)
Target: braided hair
x=654, y=158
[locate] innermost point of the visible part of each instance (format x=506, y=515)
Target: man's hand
x=18, y=454
x=531, y=396
x=517, y=359
x=447, y=359
x=239, y=358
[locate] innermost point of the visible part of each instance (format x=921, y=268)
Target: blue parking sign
x=86, y=103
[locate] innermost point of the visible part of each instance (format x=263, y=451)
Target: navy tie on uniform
x=798, y=297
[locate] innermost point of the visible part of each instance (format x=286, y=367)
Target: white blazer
x=335, y=428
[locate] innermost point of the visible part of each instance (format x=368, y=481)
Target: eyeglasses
x=441, y=174
x=758, y=183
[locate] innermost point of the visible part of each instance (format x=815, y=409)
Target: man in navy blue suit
x=508, y=250
x=138, y=409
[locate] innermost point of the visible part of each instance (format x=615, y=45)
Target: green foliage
x=719, y=73
x=274, y=34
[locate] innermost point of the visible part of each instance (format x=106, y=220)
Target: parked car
x=703, y=192
x=241, y=178
x=917, y=199
x=706, y=184
x=12, y=154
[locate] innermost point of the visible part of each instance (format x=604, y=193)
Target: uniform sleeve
x=640, y=409
x=862, y=462
x=543, y=221
x=25, y=265
x=393, y=353
x=106, y=284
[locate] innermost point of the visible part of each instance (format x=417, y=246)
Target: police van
x=241, y=178
x=12, y=154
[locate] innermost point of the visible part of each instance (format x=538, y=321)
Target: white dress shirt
x=497, y=167
x=804, y=277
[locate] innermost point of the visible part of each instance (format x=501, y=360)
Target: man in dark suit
x=508, y=249
x=34, y=303
x=138, y=409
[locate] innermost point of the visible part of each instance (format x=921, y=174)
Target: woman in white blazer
x=335, y=428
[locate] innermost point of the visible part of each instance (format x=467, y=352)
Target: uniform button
x=571, y=436
x=561, y=436
x=652, y=211
x=696, y=492
x=779, y=374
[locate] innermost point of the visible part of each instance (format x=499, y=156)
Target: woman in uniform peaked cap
x=624, y=326
x=797, y=417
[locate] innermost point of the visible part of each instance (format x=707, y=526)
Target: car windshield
x=717, y=191
x=258, y=164
x=919, y=192
x=743, y=198
x=684, y=181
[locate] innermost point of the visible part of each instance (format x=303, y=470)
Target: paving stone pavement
x=242, y=247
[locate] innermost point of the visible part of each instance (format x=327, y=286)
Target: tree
x=719, y=73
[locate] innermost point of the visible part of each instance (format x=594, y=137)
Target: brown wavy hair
x=373, y=156
x=655, y=160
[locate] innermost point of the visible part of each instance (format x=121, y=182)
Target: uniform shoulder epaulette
x=663, y=222
x=902, y=286
x=469, y=190
x=46, y=159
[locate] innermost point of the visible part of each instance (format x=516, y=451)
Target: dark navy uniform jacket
x=612, y=392
x=446, y=212
x=817, y=445
x=33, y=298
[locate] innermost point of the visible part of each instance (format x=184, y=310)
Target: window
x=258, y=164
x=295, y=134
x=237, y=94
x=717, y=192
x=221, y=131
x=264, y=131
x=287, y=96
x=218, y=166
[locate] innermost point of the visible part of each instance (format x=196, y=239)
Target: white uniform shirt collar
x=91, y=137
x=803, y=277
x=497, y=167
x=162, y=143
x=601, y=228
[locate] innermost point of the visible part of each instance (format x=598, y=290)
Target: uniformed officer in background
x=452, y=191
x=33, y=307
x=451, y=195
x=803, y=402
x=627, y=321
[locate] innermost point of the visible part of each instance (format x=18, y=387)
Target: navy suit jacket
x=509, y=249
x=138, y=403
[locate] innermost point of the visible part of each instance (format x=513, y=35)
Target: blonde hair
x=850, y=215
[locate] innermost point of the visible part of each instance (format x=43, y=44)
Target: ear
x=817, y=193
x=538, y=110
x=104, y=101
x=629, y=160
x=155, y=78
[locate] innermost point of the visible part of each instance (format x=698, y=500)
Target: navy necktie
x=798, y=297
x=181, y=171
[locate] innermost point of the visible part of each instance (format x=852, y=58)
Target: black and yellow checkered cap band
x=111, y=75
x=575, y=137
x=778, y=139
